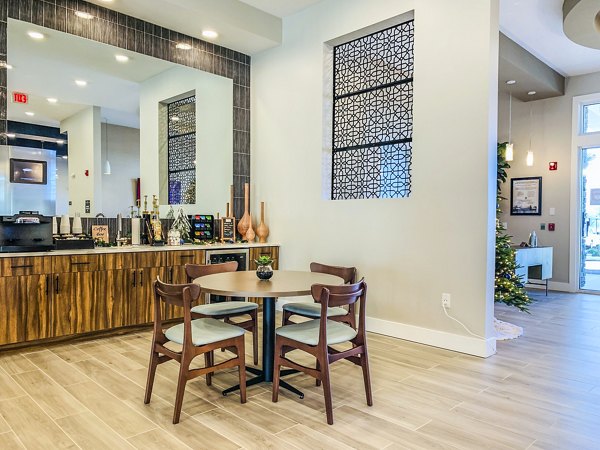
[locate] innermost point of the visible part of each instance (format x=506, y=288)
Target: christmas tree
x=508, y=288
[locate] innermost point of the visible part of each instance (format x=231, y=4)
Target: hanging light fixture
x=529, y=158
x=509, y=154
x=107, y=170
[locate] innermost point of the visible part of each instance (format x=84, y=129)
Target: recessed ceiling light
x=509, y=82
x=210, y=34
x=11, y=135
x=60, y=141
x=35, y=35
x=52, y=100
x=29, y=113
x=183, y=46
x=81, y=83
x=122, y=58
x=83, y=15
x=531, y=93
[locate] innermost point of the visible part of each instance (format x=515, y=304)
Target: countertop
x=139, y=248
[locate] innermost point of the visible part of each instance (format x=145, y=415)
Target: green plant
x=264, y=260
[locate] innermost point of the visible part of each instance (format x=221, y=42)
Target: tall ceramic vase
x=244, y=222
x=250, y=234
x=262, y=231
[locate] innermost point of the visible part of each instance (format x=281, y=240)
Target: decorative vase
x=244, y=222
x=262, y=231
x=264, y=272
x=250, y=234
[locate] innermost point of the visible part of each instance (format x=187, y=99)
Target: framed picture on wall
x=526, y=196
x=28, y=171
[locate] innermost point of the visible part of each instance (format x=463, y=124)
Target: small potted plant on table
x=264, y=271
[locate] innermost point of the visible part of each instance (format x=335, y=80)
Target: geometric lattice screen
x=373, y=115
x=181, y=117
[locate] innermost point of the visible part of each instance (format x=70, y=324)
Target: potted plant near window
x=264, y=271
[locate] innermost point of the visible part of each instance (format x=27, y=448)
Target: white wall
x=119, y=188
x=15, y=197
x=214, y=135
x=551, y=133
x=62, y=187
x=83, y=131
x=410, y=251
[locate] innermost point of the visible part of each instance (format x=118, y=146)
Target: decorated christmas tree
x=509, y=288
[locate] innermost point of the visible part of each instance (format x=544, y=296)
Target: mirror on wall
x=99, y=115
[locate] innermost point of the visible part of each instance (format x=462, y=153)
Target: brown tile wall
x=120, y=30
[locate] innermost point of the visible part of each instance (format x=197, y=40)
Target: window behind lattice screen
x=181, y=118
x=372, y=115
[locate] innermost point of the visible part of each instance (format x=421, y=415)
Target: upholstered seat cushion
x=313, y=309
x=217, y=309
x=205, y=331
x=308, y=332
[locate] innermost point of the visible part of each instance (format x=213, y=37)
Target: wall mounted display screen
x=28, y=171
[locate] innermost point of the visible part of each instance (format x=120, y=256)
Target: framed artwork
x=526, y=196
x=28, y=171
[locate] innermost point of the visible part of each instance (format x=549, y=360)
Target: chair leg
x=254, y=330
x=241, y=351
x=151, y=373
x=364, y=363
x=276, y=370
x=181, y=382
x=327, y=391
x=318, y=367
x=209, y=361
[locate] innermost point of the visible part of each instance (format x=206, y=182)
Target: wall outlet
x=446, y=300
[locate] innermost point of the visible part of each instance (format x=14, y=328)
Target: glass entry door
x=589, y=273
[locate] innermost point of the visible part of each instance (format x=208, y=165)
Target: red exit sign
x=20, y=97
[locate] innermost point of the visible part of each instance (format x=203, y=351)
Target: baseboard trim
x=456, y=342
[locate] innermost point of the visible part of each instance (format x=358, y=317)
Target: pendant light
x=529, y=158
x=107, y=170
x=509, y=154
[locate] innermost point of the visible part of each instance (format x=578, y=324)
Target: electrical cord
x=462, y=324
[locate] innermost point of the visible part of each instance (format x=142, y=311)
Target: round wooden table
x=284, y=283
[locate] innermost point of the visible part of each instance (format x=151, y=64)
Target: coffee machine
x=27, y=231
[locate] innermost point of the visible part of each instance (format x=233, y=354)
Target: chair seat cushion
x=313, y=309
x=308, y=332
x=205, y=331
x=218, y=309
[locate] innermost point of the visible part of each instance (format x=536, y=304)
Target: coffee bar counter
x=63, y=294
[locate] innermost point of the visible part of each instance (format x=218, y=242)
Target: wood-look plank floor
x=541, y=391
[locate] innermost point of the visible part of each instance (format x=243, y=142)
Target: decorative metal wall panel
x=381, y=58
x=372, y=115
x=381, y=115
x=372, y=172
x=181, y=117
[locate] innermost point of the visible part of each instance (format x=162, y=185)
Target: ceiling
x=281, y=8
x=64, y=58
x=537, y=26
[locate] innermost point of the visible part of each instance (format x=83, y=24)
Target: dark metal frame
x=399, y=158
x=44, y=165
x=538, y=212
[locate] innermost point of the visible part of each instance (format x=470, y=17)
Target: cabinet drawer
x=151, y=259
x=76, y=263
x=116, y=261
x=25, y=265
x=183, y=257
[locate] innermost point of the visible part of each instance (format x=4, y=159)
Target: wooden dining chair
x=313, y=310
x=318, y=335
x=225, y=310
x=197, y=337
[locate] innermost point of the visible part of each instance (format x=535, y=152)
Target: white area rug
x=505, y=330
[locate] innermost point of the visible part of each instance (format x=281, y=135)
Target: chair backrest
x=174, y=294
x=194, y=271
x=347, y=294
x=348, y=274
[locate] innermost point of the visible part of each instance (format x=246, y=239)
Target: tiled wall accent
x=120, y=30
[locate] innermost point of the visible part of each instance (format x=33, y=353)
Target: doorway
x=589, y=273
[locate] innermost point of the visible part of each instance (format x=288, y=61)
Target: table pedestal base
x=268, y=354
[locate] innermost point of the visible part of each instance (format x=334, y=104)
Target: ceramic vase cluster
x=245, y=227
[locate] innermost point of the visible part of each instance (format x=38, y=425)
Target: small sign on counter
x=100, y=233
x=227, y=229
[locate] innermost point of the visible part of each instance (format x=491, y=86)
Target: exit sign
x=20, y=97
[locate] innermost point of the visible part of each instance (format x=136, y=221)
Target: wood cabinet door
x=142, y=310
x=26, y=308
x=65, y=296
